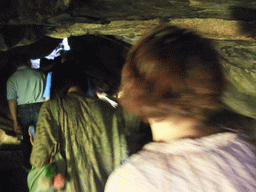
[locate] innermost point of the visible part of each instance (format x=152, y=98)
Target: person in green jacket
x=89, y=132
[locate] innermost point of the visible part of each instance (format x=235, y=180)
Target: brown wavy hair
x=172, y=71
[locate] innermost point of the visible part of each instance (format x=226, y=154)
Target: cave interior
x=104, y=30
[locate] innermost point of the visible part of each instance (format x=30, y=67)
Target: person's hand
x=16, y=127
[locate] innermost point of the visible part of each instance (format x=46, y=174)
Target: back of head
x=22, y=60
x=66, y=75
x=172, y=71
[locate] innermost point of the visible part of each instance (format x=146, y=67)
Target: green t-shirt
x=26, y=85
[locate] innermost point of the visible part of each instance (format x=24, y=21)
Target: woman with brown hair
x=173, y=79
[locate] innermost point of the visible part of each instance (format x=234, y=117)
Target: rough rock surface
x=239, y=64
x=28, y=20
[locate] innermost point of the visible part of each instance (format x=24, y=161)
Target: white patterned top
x=221, y=162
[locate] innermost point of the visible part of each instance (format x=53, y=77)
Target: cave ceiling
x=26, y=21
x=230, y=23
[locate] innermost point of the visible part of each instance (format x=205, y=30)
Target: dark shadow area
x=39, y=49
x=247, y=18
x=138, y=138
x=13, y=180
x=13, y=177
x=244, y=14
x=229, y=118
x=101, y=57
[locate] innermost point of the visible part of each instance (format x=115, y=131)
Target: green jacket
x=89, y=132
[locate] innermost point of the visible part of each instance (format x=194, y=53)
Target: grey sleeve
x=11, y=90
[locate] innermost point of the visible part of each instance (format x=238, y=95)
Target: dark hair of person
x=46, y=63
x=67, y=56
x=172, y=71
x=104, y=75
x=22, y=60
x=66, y=75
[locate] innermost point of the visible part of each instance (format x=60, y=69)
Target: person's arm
x=47, y=90
x=12, y=102
x=46, y=137
x=13, y=110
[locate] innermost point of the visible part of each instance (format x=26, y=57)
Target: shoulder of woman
x=127, y=178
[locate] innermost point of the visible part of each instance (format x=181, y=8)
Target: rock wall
x=23, y=22
x=239, y=65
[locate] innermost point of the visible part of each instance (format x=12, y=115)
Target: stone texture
x=239, y=66
x=7, y=139
x=226, y=19
x=209, y=28
x=240, y=102
x=238, y=60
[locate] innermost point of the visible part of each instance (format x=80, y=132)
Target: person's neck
x=73, y=89
x=77, y=90
x=22, y=66
x=174, y=128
